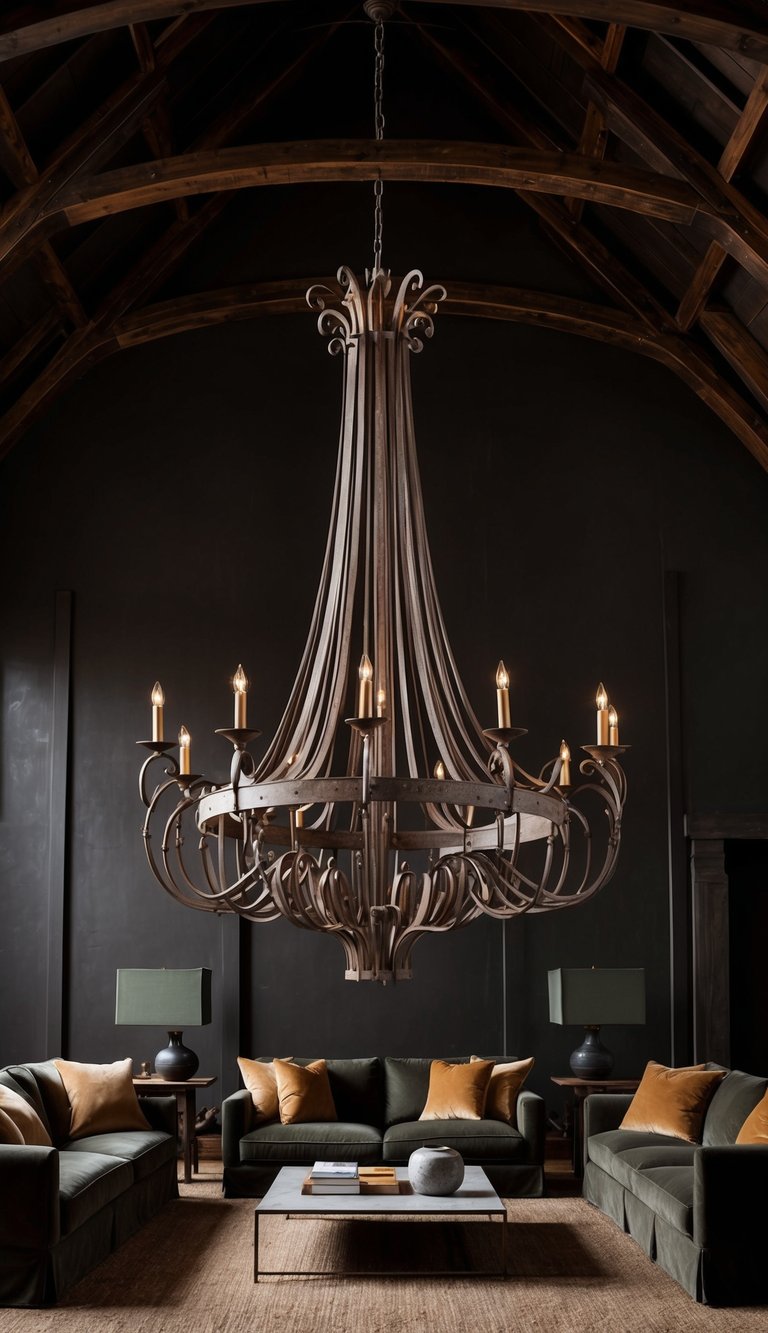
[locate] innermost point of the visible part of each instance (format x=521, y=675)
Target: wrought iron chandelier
x=407, y=817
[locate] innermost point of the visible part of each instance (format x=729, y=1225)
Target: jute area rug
x=191, y=1269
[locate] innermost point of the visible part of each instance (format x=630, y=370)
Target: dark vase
x=176, y=1062
x=591, y=1059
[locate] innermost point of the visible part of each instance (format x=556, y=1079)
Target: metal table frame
x=330, y=1207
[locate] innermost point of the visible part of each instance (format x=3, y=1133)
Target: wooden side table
x=185, y=1102
x=581, y=1089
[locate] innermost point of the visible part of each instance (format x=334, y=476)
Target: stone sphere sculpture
x=435, y=1171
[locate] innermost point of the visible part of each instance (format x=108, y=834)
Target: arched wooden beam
x=42, y=210
x=738, y=27
x=33, y=214
x=584, y=319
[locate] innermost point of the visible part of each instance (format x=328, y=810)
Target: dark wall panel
x=181, y=490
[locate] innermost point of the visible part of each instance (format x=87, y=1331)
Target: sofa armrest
x=236, y=1116
x=29, y=1197
x=162, y=1113
x=603, y=1111
x=531, y=1122
x=730, y=1185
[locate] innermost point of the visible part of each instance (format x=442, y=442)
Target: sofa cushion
x=672, y=1101
x=259, y=1078
x=41, y=1082
x=358, y=1090
x=626, y=1164
x=407, y=1085
x=668, y=1192
x=755, y=1127
x=457, y=1091
x=147, y=1149
x=736, y=1097
x=88, y=1181
x=19, y=1111
x=304, y=1093
x=476, y=1140
x=606, y=1147
x=337, y=1141
x=504, y=1088
x=102, y=1097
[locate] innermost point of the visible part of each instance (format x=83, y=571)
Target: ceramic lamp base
x=176, y=1062
x=591, y=1059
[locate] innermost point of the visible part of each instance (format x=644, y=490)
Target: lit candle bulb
x=185, y=752
x=601, y=699
x=565, y=764
x=381, y=701
x=613, y=726
x=502, y=695
x=240, y=686
x=158, y=699
x=365, y=699
x=439, y=771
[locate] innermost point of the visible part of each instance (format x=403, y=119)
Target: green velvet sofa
x=378, y=1102
x=697, y=1210
x=64, y=1209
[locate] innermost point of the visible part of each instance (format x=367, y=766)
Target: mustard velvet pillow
x=457, y=1092
x=23, y=1118
x=504, y=1087
x=102, y=1098
x=755, y=1127
x=304, y=1093
x=9, y=1132
x=261, y=1082
x=672, y=1101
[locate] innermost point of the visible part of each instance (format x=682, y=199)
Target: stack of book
x=349, y=1178
x=333, y=1178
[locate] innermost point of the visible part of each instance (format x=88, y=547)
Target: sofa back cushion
x=736, y=1097
x=672, y=1101
x=357, y=1088
x=17, y=1113
x=41, y=1082
x=407, y=1084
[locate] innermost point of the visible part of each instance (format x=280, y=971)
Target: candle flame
x=184, y=736
x=601, y=698
x=565, y=752
x=439, y=771
x=502, y=677
x=158, y=695
x=240, y=681
x=613, y=717
x=365, y=670
x=381, y=698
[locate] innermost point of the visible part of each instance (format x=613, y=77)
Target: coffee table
x=475, y=1198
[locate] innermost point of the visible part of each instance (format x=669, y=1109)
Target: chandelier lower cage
x=407, y=818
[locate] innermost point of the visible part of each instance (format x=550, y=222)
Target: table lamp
x=590, y=997
x=172, y=998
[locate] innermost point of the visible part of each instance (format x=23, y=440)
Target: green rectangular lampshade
x=172, y=998
x=592, y=996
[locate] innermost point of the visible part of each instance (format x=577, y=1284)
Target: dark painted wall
x=181, y=491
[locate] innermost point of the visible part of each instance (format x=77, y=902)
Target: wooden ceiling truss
x=670, y=225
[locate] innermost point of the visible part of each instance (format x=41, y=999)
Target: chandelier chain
x=378, y=102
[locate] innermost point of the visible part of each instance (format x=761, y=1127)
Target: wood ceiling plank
x=726, y=332
x=594, y=134
x=24, y=173
x=736, y=26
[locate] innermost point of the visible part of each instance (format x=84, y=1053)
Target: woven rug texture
x=191, y=1269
